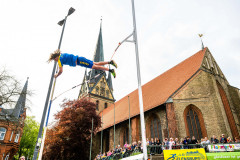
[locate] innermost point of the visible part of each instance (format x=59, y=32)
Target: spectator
x=229, y=140
x=214, y=139
x=103, y=156
x=125, y=145
x=237, y=140
x=166, y=143
x=177, y=143
x=134, y=144
x=22, y=158
x=202, y=141
x=194, y=142
x=148, y=142
x=171, y=143
x=159, y=149
x=223, y=139
x=207, y=141
x=189, y=141
x=139, y=145
x=109, y=153
x=181, y=141
x=185, y=143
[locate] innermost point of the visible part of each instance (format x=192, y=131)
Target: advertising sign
x=186, y=154
x=223, y=156
x=223, y=147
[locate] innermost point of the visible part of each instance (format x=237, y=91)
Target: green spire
x=99, y=55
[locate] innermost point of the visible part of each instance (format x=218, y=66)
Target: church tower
x=97, y=84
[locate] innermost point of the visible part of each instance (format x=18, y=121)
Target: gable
x=102, y=89
x=209, y=64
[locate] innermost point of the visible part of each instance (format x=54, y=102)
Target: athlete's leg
x=95, y=66
x=112, y=62
x=100, y=63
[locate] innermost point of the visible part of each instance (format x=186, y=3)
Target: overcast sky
x=167, y=34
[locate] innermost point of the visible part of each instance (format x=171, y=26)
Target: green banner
x=223, y=156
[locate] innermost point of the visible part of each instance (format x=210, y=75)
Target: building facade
x=193, y=98
x=11, y=126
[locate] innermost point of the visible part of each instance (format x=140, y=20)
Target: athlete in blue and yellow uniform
x=73, y=61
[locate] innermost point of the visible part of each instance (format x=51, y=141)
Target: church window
x=17, y=137
x=97, y=103
x=193, y=124
x=2, y=133
x=155, y=128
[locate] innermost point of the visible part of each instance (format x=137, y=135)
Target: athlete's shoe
x=113, y=72
x=112, y=62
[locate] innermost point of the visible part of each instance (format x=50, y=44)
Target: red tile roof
x=155, y=92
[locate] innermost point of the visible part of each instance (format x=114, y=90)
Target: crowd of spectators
x=156, y=146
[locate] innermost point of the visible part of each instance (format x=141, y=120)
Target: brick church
x=192, y=98
x=11, y=126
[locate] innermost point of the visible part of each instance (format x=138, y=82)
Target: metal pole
x=114, y=129
x=130, y=139
x=91, y=142
x=45, y=129
x=139, y=85
x=47, y=99
x=102, y=133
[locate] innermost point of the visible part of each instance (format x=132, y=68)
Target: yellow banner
x=185, y=154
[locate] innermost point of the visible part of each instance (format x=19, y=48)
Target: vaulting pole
x=139, y=85
x=35, y=154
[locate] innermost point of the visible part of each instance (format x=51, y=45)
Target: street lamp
x=61, y=23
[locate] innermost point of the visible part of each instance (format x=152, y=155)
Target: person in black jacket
x=214, y=139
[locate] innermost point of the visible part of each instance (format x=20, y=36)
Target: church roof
x=155, y=92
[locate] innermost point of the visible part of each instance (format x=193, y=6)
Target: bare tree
x=10, y=88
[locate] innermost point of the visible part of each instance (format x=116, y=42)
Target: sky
x=167, y=34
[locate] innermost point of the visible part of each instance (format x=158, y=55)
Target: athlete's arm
x=59, y=72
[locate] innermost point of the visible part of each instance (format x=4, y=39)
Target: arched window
x=2, y=133
x=155, y=128
x=194, y=122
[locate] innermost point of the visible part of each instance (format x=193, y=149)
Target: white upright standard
x=139, y=85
